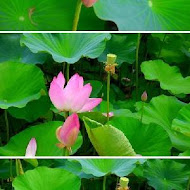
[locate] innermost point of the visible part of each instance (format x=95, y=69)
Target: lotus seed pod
x=124, y=181
x=144, y=96
x=111, y=58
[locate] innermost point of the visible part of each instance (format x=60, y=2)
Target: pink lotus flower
x=89, y=3
x=31, y=148
x=74, y=97
x=68, y=133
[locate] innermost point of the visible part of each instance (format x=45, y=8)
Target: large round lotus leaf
x=33, y=110
x=45, y=135
x=47, y=179
x=124, y=46
x=20, y=84
x=145, y=14
x=102, y=167
x=146, y=140
x=166, y=174
x=11, y=50
x=45, y=15
x=67, y=47
x=169, y=77
x=162, y=110
x=108, y=140
x=181, y=123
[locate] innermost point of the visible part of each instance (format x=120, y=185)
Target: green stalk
x=65, y=152
x=142, y=112
x=11, y=169
x=137, y=65
x=77, y=15
x=104, y=183
x=162, y=46
x=108, y=95
x=19, y=169
x=188, y=185
x=66, y=114
x=7, y=125
x=64, y=67
x=67, y=72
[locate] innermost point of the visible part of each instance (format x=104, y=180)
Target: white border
x=119, y=32
x=99, y=157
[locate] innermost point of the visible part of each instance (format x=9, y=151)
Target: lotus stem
x=67, y=72
x=77, y=15
x=104, y=183
x=7, y=125
x=19, y=169
x=11, y=169
x=137, y=65
x=108, y=95
x=66, y=152
x=142, y=112
x=188, y=185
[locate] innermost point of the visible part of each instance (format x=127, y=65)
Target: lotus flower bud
x=31, y=148
x=74, y=97
x=89, y=3
x=144, y=96
x=68, y=133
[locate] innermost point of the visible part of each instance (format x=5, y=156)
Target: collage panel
x=94, y=94
x=94, y=15
x=95, y=174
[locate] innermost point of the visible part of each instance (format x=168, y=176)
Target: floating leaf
x=145, y=14
x=146, y=140
x=169, y=77
x=102, y=167
x=166, y=174
x=108, y=140
x=48, y=179
x=67, y=47
x=45, y=135
x=20, y=84
x=124, y=46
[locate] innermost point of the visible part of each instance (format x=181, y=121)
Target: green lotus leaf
x=181, y=123
x=67, y=47
x=45, y=135
x=20, y=83
x=170, y=48
x=45, y=15
x=11, y=50
x=166, y=174
x=124, y=46
x=162, y=110
x=48, y=179
x=145, y=14
x=146, y=140
x=102, y=167
x=169, y=77
x=108, y=140
x=33, y=110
